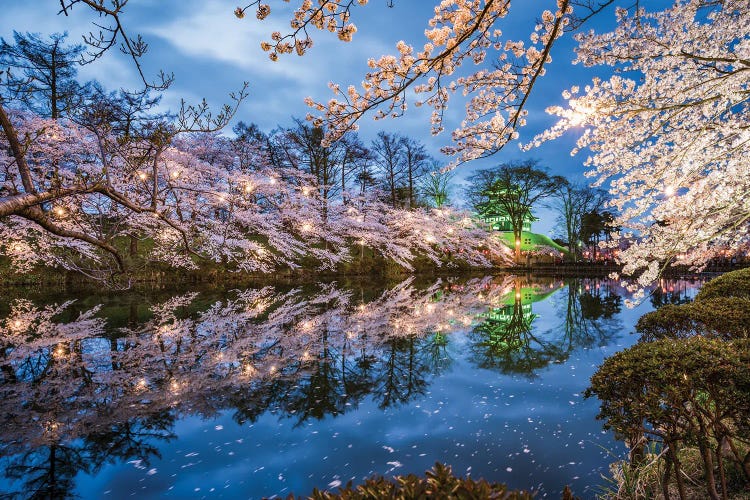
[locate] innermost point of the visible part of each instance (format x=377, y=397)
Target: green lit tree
x=512, y=189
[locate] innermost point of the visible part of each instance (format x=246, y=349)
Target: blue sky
x=211, y=53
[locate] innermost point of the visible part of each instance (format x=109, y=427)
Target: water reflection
x=81, y=389
x=506, y=341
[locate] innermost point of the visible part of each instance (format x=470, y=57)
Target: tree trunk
x=708, y=465
x=677, y=471
x=133, y=245
x=665, y=478
x=411, y=188
x=722, y=475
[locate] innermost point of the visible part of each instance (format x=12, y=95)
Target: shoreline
x=164, y=279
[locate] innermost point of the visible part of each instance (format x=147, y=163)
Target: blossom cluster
x=195, y=199
x=669, y=131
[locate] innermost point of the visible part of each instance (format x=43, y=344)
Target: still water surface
x=275, y=389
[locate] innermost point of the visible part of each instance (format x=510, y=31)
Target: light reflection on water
x=272, y=390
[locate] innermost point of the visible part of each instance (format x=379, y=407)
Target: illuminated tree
x=512, y=190
x=669, y=130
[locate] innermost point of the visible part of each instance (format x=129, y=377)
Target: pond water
x=278, y=389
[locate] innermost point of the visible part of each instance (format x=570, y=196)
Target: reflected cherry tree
x=77, y=394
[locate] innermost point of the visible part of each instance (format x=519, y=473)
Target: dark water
x=271, y=390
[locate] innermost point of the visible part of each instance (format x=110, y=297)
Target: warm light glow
x=362, y=242
x=175, y=174
x=450, y=230
x=306, y=227
x=578, y=114
x=669, y=190
x=305, y=191
x=59, y=211
x=429, y=238
x=518, y=243
x=518, y=295
x=17, y=323
x=248, y=188
x=272, y=180
x=142, y=176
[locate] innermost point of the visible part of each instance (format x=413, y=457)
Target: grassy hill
x=531, y=241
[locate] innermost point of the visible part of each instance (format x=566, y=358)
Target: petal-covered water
x=271, y=390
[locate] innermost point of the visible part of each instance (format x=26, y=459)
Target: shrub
x=722, y=318
x=437, y=483
x=732, y=284
x=692, y=392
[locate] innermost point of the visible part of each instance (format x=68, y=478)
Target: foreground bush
x=732, y=284
x=726, y=318
x=439, y=482
x=675, y=396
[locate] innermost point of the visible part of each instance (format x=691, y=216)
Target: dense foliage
x=685, y=390
x=724, y=318
x=103, y=184
x=436, y=483
x=734, y=284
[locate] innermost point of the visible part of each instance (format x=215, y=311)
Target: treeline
x=107, y=184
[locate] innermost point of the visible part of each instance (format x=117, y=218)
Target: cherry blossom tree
x=669, y=131
x=190, y=200
x=78, y=183
x=666, y=132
